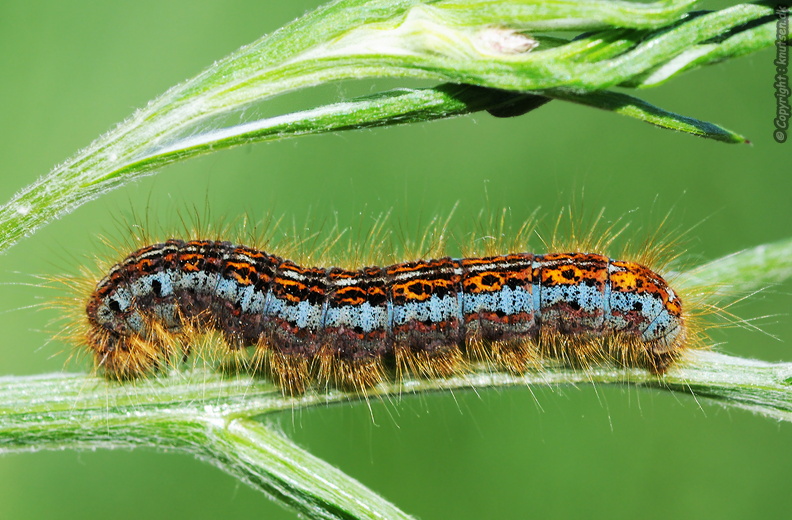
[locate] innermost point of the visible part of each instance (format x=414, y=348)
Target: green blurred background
x=73, y=69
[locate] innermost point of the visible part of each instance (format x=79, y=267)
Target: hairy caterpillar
x=350, y=327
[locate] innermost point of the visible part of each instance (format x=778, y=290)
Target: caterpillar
x=351, y=328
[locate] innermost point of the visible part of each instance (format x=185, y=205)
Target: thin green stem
x=633, y=107
x=290, y=475
x=743, y=272
x=453, y=41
